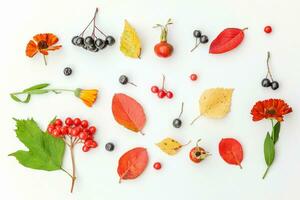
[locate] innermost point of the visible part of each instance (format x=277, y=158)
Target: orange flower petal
x=53, y=48
x=40, y=37
x=51, y=39
x=44, y=52
x=31, y=49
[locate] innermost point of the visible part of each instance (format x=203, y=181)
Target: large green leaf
x=269, y=150
x=45, y=151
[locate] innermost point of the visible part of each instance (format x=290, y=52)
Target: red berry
x=170, y=94
x=69, y=121
x=58, y=122
x=77, y=122
x=64, y=130
x=154, y=89
x=84, y=123
x=94, y=144
x=157, y=165
x=86, y=130
x=83, y=136
x=90, y=137
x=268, y=29
x=56, y=132
x=51, y=127
x=74, y=132
x=161, y=94
x=85, y=148
x=193, y=77
x=92, y=130
x=88, y=143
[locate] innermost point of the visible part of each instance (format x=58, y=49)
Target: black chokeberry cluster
x=92, y=42
x=266, y=82
x=200, y=38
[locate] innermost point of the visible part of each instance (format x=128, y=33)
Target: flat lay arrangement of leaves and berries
x=177, y=103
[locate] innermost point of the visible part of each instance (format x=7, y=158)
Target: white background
x=241, y=69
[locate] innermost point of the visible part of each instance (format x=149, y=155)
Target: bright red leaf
x=227, y=40
x=132, y=163
x=231, y=151
x=128, y=112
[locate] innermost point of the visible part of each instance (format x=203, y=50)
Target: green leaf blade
x=269, y=150
x=275, y=132
x=37, y=87
x=45, y=152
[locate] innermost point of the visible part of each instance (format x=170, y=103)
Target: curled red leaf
x=132, y=163
x=128, y=112
x=231, y=151
x=227, y=40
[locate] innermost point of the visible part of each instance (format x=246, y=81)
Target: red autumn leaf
x=231, y=151
x=132, y=163
x=128, y=112
x=227, y=40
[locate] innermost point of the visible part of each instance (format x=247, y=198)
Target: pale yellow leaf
x=169, y=146
x=130, y=43
x=216, y=102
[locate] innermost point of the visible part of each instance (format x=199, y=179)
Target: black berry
x=103, y=45
x=109, y=146
x=177, y=123
x=123, y=80
x=79, y=41
x=89, y=41
x=99, y=42
x=266, y=82
x=197, y=33
x=203, y=39
x=74, y=40
x=110, y=40
x=274, y=85
x=67, y=71
x=92, y=48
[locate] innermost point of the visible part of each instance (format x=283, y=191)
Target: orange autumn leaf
x=128, y=112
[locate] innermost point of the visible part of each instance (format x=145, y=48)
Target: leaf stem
x=66, y=172
x=195, y=119
x=266, y=172
x=73, y=167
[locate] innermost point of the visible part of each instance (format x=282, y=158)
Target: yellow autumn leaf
x=130, y=43
x=216, y=102
x=169, y=146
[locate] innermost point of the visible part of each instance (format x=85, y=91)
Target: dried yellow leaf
x=169, y=146
x=130, y=43
x=216, y=102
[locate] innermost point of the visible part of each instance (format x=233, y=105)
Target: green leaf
x=15, y=98
x=37, y=87
x=269, y=150
x=45, y=151
x=275, y=132
x=38, y=91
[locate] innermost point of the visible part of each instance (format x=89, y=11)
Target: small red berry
x=157, y=165
x=193, y=77
x=58, y=122
x=94, y=144
x=74, y=132
x=83, y=136
x=84, y=123
x=69, y=121
x=88, y=143
x=90, y=137
x=64, y=130
x=268, y=29
x=161, y=94
x=170, y=94
x=77, y=122
x=56, y=132
x=51, y=128
x=85, y=148
x=92, y=130
x=154, y=89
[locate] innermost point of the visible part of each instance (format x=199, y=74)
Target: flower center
x=271, y=111
x=42, y=45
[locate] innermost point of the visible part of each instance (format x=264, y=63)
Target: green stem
x=49, y=90
x=266, y=172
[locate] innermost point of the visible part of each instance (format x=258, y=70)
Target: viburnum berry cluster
x=162, y=92
x=72, y=132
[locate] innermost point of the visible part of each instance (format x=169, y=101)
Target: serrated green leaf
x=15, y=98
x=275, y=132
x=37, y=87
x=45, y=152
x=269, y=150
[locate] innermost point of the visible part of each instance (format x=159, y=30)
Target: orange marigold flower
x=42, y=43
x=87, y=96
x=270, y=109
